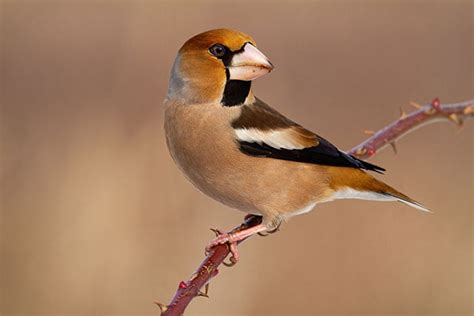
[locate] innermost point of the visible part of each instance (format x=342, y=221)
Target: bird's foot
x=225, y=238
x=232, y=239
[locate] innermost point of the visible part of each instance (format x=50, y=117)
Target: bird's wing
x=263, y=132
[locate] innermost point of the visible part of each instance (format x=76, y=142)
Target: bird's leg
x=268, y=232
x=249, y=216
x=233, y=238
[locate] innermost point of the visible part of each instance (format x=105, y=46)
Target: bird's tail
x=354, y=183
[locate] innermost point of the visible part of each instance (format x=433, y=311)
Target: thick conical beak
x=249, y=64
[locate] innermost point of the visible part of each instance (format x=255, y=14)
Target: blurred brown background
x=97, y=220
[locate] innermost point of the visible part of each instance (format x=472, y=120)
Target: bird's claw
x=230, y=263
x=216, y=231
x=234, y=257
x=269, y=232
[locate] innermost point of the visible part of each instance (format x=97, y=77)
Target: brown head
x=216, y=66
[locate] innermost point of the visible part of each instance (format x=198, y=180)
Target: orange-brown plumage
x=201, y=42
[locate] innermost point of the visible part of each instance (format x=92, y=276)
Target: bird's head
x=217, y=66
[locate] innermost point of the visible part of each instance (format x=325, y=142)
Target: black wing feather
x=323, y=154
x=262, y=117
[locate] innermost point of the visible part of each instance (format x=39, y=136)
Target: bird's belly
x=254, y=185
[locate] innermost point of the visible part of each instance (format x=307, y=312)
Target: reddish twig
x=430, y=113
x=187, y=290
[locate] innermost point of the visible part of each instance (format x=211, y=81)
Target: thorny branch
x=423, y=115
x=187, y=290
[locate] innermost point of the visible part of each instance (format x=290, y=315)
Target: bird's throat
x=235, y=92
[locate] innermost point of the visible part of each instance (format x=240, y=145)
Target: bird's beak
x=249, y=64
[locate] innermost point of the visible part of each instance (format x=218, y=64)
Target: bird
x=242, y=152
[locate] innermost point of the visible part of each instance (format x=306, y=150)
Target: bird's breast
x=202, y=143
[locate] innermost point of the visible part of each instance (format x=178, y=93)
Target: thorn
x=202, y=294
x=456, y=119
x=216, y=231
x=205, y=292
x=416, y=105
x=361, y=151
x=183, y=285
x=369, y=132
x=402, y=113
x=162, y=307
x=436, y=103
x=394, y=147
x=371, y=152
x=469, y=110
x=430, y=111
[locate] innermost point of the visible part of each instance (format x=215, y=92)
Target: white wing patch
x=275, y=138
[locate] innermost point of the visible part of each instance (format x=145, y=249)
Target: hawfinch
x=240, y=151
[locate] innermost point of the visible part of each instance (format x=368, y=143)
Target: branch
x=424, y=115
x=429, y=113
x=201, y=277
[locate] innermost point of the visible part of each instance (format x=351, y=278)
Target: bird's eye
x=218, y=50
